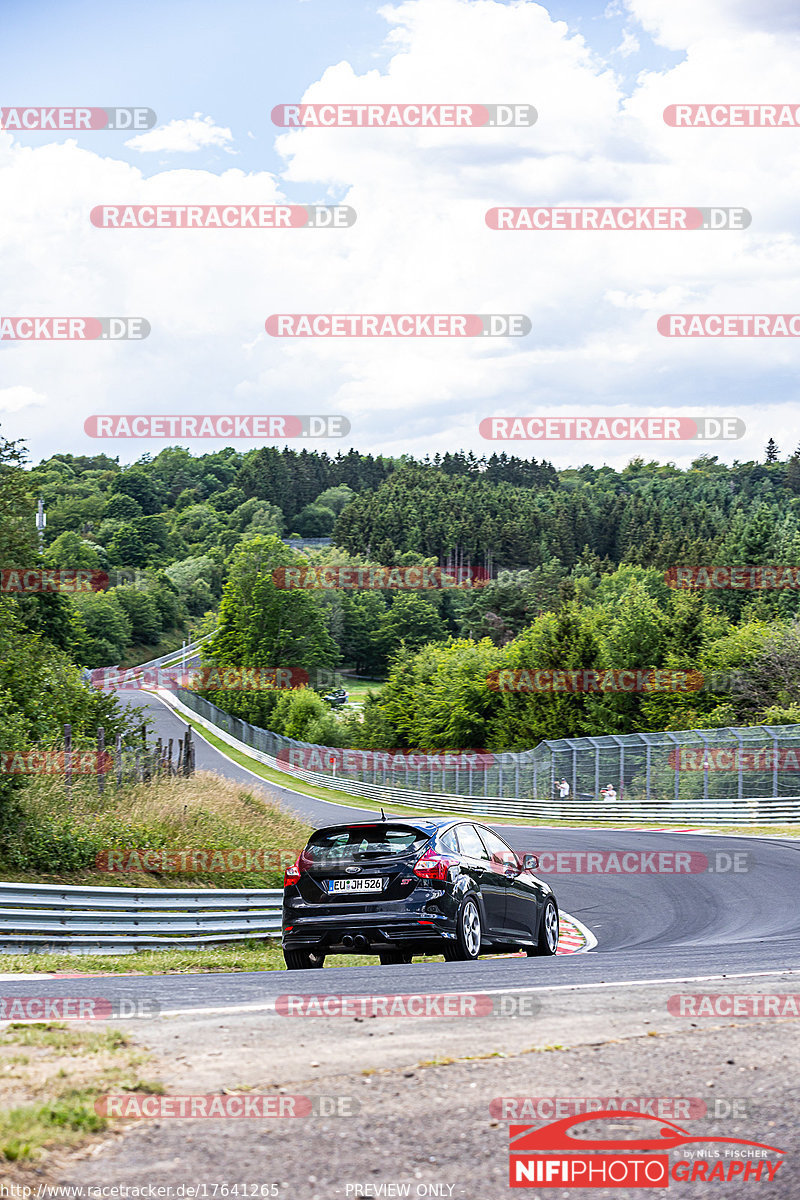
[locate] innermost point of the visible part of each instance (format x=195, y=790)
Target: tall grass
x=44, y=833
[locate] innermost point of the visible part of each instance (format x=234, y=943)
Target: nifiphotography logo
x=551, y=1156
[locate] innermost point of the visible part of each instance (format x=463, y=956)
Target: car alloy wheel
x=467, y=945
x=548, y=931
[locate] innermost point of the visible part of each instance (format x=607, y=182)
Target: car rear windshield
x=363, y=842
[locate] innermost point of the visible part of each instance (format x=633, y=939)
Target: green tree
x=121, y=507
x=336, y=498
x=103, y=630
x=141, y=610
x=72, y=552
x=360, y=645
x=411, y=621
x=41, y=690
x=18, y=546
x=315, y=521
x=142, y=485
x=127, y=547
x=266, y=625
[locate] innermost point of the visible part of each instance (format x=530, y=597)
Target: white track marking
x=269, y=1005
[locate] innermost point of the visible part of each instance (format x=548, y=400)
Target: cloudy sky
x=599, y=76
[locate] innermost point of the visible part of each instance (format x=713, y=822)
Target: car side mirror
x=530, y=862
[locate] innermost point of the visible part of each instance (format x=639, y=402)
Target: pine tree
x=793, y=473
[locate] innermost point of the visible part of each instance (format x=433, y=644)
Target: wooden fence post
x=101, y=760
x=68, y=760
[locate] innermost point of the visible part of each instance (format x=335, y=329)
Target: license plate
x=374, y=884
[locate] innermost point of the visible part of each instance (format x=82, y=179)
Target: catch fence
x=748, y=775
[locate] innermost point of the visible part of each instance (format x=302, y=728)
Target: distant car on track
x=396, y=887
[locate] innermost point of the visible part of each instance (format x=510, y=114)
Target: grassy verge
x=50, y=1077
x=357, y=693
x=246, y=956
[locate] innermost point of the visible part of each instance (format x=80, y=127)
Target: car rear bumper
x=381, y=931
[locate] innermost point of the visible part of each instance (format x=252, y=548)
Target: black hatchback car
x=397, y=887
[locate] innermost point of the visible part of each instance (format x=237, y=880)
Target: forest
x=565, y=570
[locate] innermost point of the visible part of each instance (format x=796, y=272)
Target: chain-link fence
x=737, y=774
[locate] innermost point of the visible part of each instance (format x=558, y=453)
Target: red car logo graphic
x=555, y=1136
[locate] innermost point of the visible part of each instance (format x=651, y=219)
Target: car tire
x=467, y=945
x=303, y=960
x=392, y=958
x=547, y=941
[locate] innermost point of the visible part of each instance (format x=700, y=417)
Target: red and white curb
x=573, y=937
x=664, y=829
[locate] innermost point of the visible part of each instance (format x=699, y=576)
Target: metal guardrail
x=42, y=918
x=174, y=656
x=716, y=810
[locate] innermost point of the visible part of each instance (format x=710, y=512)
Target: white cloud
x=183, y=137
x=420, y=244
x=629, y=44
x=15, y=399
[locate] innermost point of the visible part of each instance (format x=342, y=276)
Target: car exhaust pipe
x=361, y=942
x=347, y=941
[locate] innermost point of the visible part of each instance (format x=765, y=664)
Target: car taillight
x=293, y=873
x=434, y=866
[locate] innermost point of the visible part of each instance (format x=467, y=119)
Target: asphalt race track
x=649, y=926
